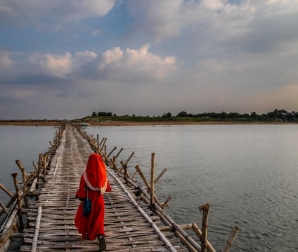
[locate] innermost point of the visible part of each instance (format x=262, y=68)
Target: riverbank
x=127, y=123
x=166, y=123
x=29, y=123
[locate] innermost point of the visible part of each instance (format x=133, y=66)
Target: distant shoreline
x=127, y=123
x=27, y=123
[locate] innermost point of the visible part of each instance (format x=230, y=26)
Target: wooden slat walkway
x=126, y=226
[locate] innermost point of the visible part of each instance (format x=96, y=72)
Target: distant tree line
x=102, y=114
x=276, y=115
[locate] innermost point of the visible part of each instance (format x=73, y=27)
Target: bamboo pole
x=198, y=232
x=97, y=140
x=35, y=166
x=9, y=229
x=25, y=189
x=160, y=175
x=8, y=204
x=10, y=194
x=3, y=207
x=132, y=178
x=37, y=224
x=152, y=190
x=112, y=151
x=170, y=228
x=45, y=164
x=142, y=176
x=124, y=167
x=33, y=186
x=231, y=239
x=106, y=159
x=205, y=209
x=166, y=203
x=178, y=231
x=22, y=169
x=10, y=220
x=125, y=164
x=40, y=161
x=146, y=182
x=103, y=144
x=114, y=165
x=14, y=175
x=29, y=180
x=119, y=152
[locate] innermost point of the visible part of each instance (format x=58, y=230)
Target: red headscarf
x=95, y=174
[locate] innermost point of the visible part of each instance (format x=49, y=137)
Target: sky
x=67, y=59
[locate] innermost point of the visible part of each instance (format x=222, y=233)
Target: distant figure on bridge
x=94, y=184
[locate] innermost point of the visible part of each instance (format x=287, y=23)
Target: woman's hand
x=82, y=203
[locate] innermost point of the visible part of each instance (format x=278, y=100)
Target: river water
x=247, y=173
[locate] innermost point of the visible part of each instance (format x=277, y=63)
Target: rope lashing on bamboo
x=163, y=238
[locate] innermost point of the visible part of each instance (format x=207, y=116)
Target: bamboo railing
x=147, y=194
x=12, y=212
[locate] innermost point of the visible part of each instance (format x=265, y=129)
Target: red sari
x=95, y=179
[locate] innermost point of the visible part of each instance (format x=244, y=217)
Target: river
x=247, y=173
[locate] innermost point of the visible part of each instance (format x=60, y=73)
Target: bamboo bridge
x=42, y=209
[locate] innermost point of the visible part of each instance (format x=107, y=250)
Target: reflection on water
x=247, y=173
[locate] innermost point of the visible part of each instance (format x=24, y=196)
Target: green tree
x=182, y=114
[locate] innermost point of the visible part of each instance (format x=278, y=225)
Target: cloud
x=188, y=55
x=51, y=64
x=82, y=58
x=133, y=65
x=20, y=93
x=156, y=17
x=54, y=13
x=6, y=63
x=166, y=19
x=253, y=26
x=268, y=28
x=95, y=32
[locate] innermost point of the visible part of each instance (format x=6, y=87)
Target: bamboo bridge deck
x=126, y=227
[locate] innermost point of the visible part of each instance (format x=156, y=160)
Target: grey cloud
x=35, y=80
x=54, y=13
x=266, y=34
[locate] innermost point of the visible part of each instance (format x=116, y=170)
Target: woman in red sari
x=94, y=180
